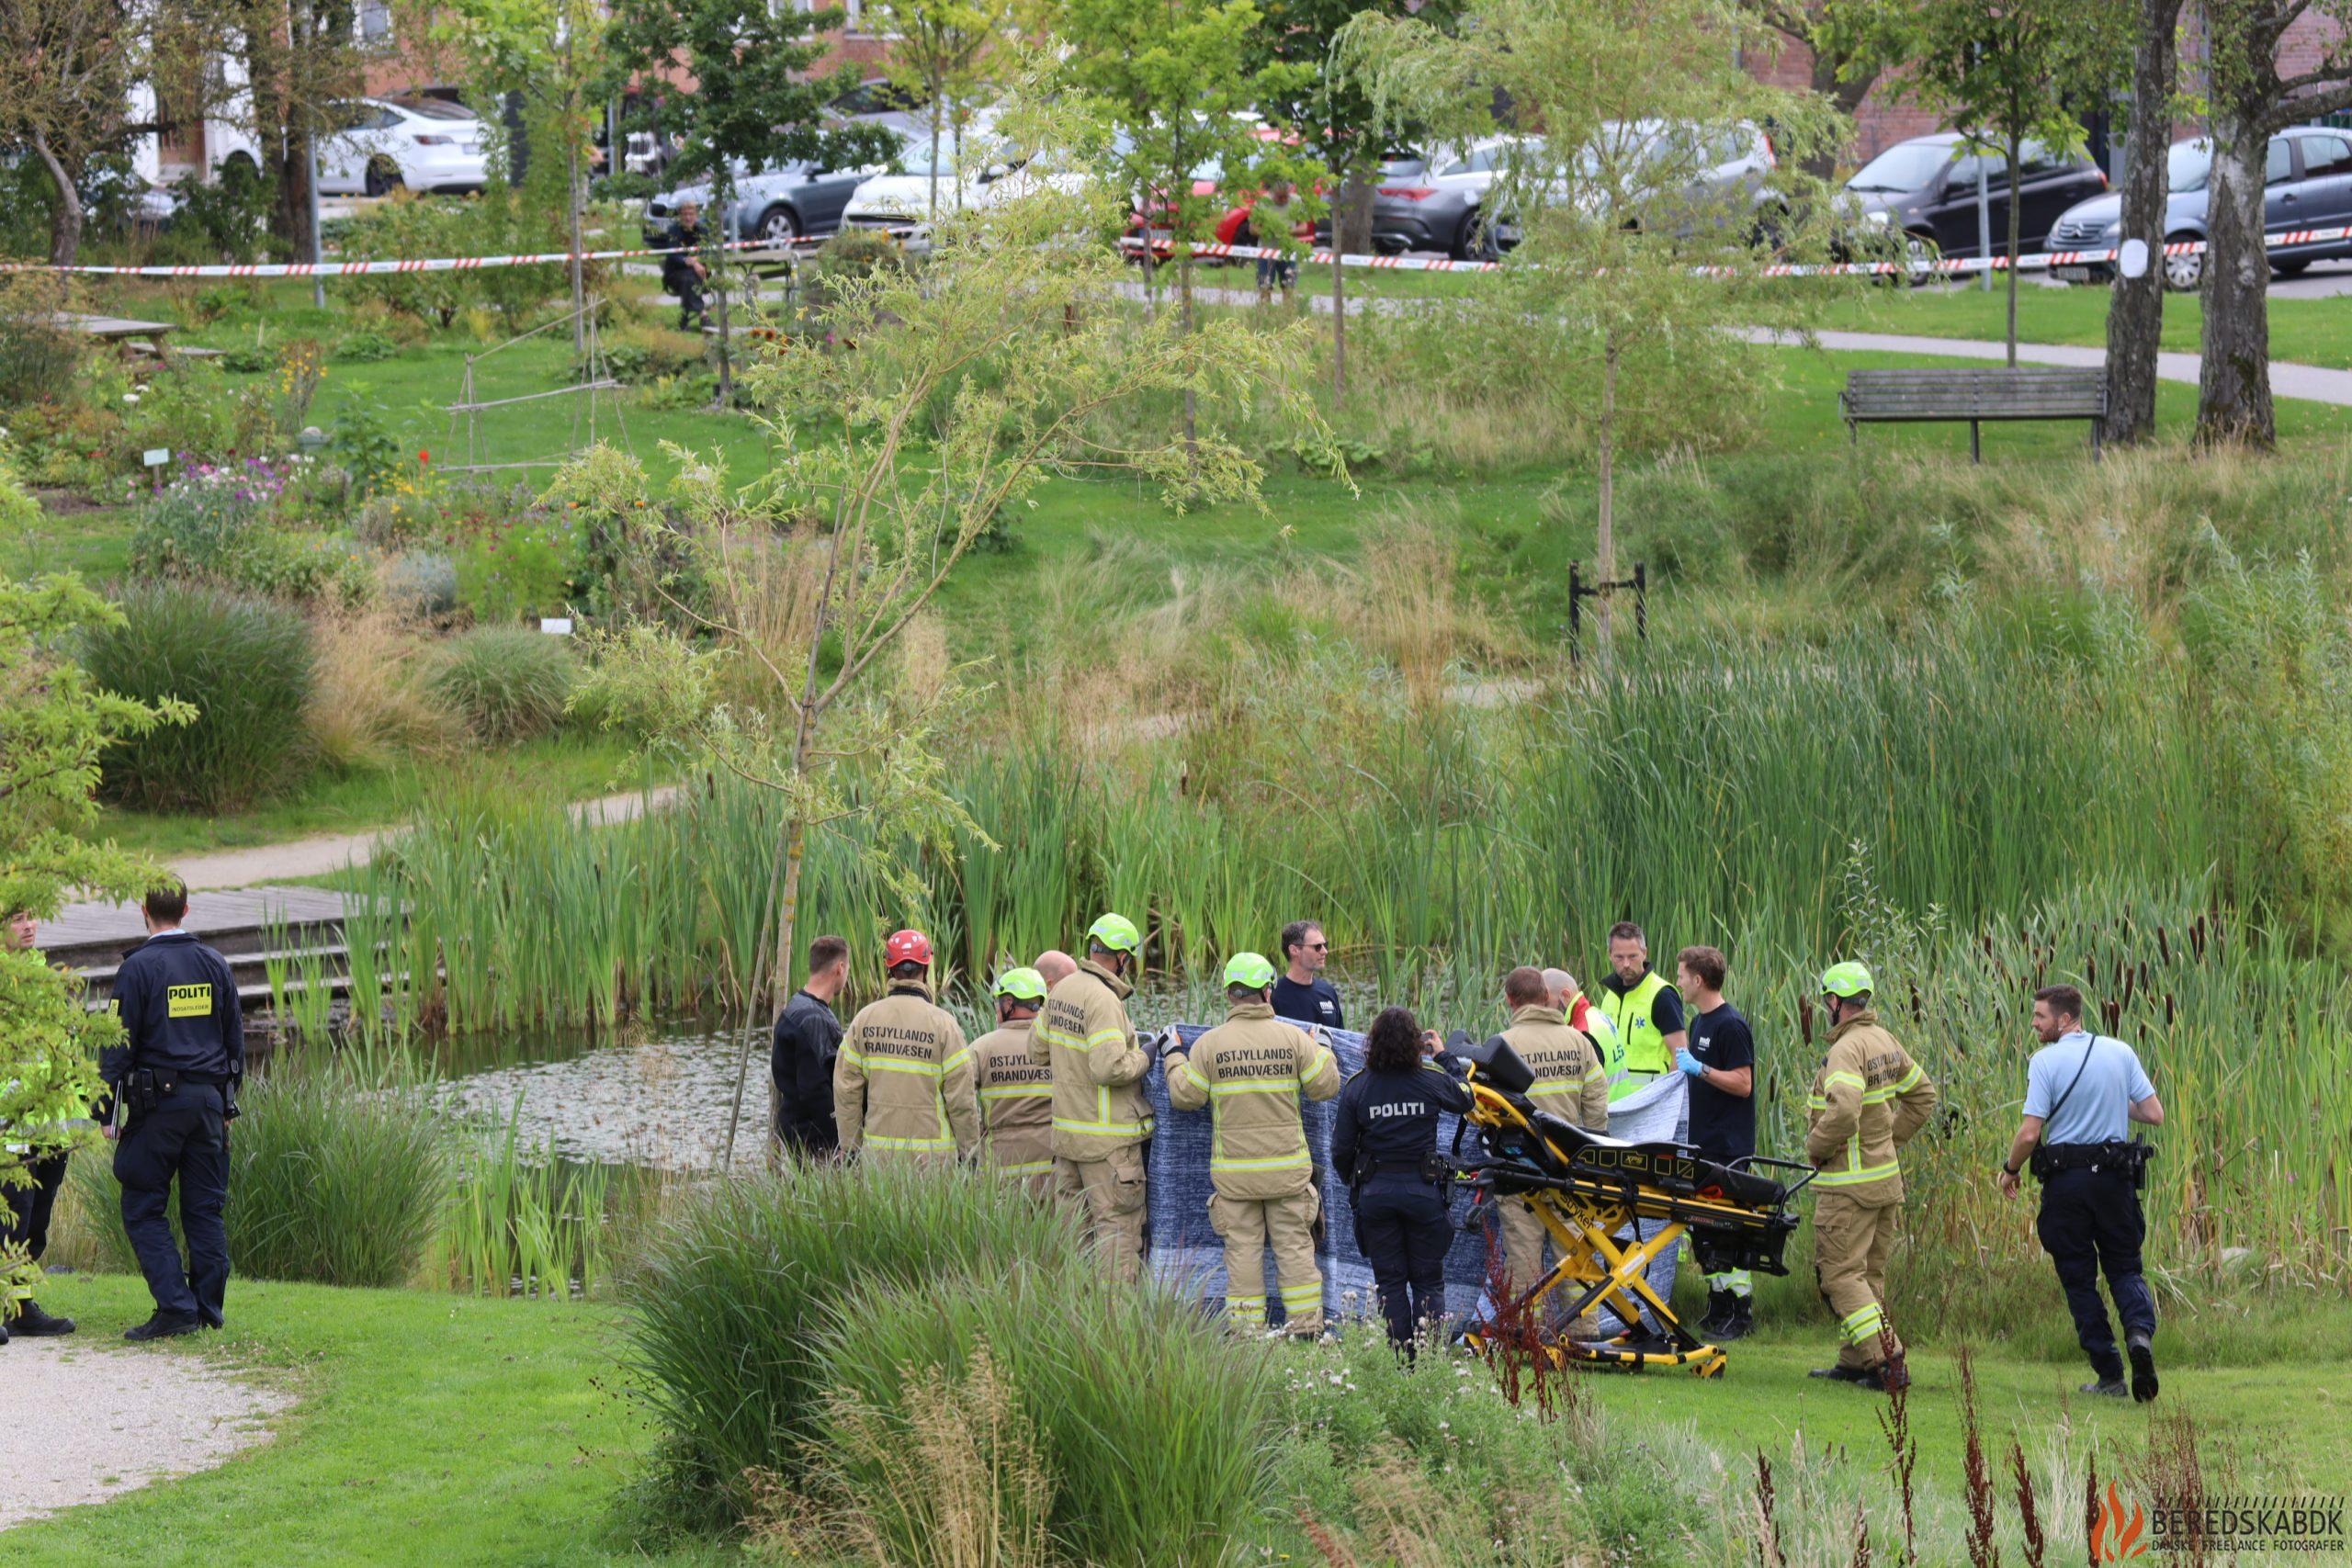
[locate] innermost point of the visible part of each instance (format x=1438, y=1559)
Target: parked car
x=779, y=205
x=384, y=143
x=899, y=201
x=1432, y=202
x=1927, y=188
x=1679, y=180
x=2307, y=184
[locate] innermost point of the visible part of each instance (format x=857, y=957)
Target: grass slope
x=432, y=1430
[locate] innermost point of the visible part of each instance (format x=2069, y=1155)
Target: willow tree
x=1636, y=263
x=1007, y=360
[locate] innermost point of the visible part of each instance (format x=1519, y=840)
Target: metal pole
x=1984, y=223
x=318, y=253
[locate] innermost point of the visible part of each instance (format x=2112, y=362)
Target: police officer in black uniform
x=175, y=1086
x=1384, y=1139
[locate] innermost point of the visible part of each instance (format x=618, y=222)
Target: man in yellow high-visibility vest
x=1646, y=1011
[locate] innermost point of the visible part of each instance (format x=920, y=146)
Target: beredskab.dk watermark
x=2123, y=1529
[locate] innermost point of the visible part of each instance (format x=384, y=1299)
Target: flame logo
x=2116, y=1532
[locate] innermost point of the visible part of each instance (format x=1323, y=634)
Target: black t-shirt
x=1723, y=1125
x=1315, y=1002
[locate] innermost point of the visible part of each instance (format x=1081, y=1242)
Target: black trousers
x=2090, y=1224
x=1402, y=1230
x=687, y=285
x=184, y=1139
x=24, y=1210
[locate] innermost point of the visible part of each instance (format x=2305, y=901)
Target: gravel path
x=81, y=1422
x=330, y=852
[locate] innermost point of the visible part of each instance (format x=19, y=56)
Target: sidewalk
x=330, y=852
x=2308, y=382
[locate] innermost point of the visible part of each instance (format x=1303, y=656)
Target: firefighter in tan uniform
x=902, y=1084
x=1017, y=1093
x=1102, y=1115
x=1868, y=1099
x=1570, y=1082
x=1250, y=1071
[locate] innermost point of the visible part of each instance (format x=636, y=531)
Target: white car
x=900, y=201
x=423, y=143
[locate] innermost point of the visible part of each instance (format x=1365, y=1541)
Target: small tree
x=1008, y=360
x=53, y=726
x=300, y=60
x=758, y=103
x=946, y=52
x=2009, y=73
x=2254, y=98
x=67, y=71
x=551, y=52
x=1631, y=281
x=1335, y=120
x=1176, y=78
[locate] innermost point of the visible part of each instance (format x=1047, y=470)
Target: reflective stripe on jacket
x=1250, y=1071
x=1633, y=1015
x=1016, y=1100
x=902, y=1084
x=1100, y=1106
x=1868, y=1099
x=1570, y=1082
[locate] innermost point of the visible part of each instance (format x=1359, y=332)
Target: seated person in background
x=684, y=273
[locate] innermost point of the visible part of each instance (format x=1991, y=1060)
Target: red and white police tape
x=2041, y=261
x=363, y=269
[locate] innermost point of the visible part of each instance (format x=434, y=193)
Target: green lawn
x=431, y=1429
x=2306, y=331
x=566, y=767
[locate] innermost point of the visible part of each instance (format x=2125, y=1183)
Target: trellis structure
x=588, y=394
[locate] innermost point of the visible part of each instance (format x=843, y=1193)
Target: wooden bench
x=1909, y=396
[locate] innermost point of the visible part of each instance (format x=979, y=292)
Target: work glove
x=1689, y=1064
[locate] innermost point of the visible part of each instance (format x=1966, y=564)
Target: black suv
x=1926, y=189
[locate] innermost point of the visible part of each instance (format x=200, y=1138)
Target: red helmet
x=905, y=947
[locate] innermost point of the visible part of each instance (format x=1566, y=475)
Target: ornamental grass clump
x=246, y=666
x=1115, y=1419
x=724, y=1320
x=506, y=682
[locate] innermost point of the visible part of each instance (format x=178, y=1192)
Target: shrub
x=367, y=705
x=37, y=359
x=365, y=347
x=1056, y=1372
x=330, y=1181
x=244, y=663
x=516, y=569
x=199, y=522
x=640, y=354
x=367, y=449
x=191, y=408
x=323, y=568
x=721, y=1327
x=17, y=508
x=507, y=684
x=421, y=582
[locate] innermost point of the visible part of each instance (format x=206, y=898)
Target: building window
x=374, y=20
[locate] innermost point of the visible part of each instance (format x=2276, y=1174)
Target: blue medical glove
x=1689, y=1064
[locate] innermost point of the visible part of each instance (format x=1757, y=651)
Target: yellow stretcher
x=1588, y=1190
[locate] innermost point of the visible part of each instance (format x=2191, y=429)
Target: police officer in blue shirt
x=1383, y=1144
x=2083, y=1092
x=175, y=1086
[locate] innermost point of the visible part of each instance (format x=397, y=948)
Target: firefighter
x=1102, y=1115
x=1868, y=1099
x=1250, y=1071
x=1570, y=1083
x=902, y=1084
x=1017, y=1093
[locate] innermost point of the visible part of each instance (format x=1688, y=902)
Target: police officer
x=1250, y=1071
x=174, y=1087
x=24, y=1210
x=1646, y=1011
x=1384, y=1144
x=1016, y=1092
x=903, y=1082
x=2082, y=1093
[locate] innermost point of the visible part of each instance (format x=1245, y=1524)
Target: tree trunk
x=579, y=282
x=934, y=160
x=2234, y=384
x=1605, y=543
x=1847, y=95
x=65, y=224
x=2135, y=310
x=1184, y=329
x=1338, y=325
x=1350, y=235
x=2017, y=217
x=723, y=193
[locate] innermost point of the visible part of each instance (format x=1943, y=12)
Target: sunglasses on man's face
x=1318, y=946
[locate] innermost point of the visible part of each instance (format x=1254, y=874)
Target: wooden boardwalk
x=95, y=935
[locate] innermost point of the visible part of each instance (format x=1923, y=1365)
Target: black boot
x=1739, y=1318
x=163, y=1325
x=2143, y=1366
x=1842, y=1373
x=2107, y=1380
x=34, y=1323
